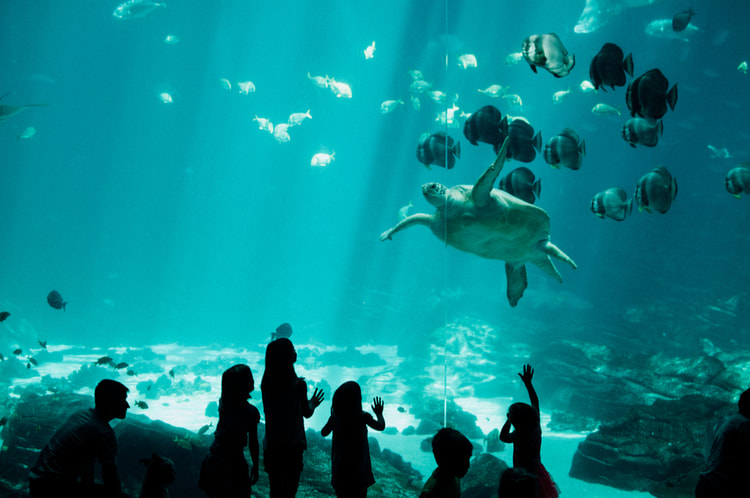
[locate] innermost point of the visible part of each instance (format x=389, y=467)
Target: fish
x=171, y=373
x=120, y=365
x=513, y=100
x=264, y=124
x=342, y=90
x=130, y=372
x=467, y=60
x=27, y=134
x=608, y=67
x=282, y=331
x=280, y=133
x=416, y=74
x=602, y=109
x=225, y=83
x=656, y=190
x=389, y=106
x=415, y=102
x=246, y=87
x=742, y=67
x=17, y=351
x=681, y=20
x=420, y=86
x=401, y=409
x=648, y=97
x=183, y=443
x=722, y=153
x=404, y=211
x=298, y=117
x=43, y=344
x=2, y=358
x=560, y=95
x=642, y=131
x=436, y=95
x=322, y=159
x=165, y=98
x=55, y=300
x=104, y=360
x=133, y=9
x=566, y=149
x=523, y=143
x=320, y=81
x=171, y=40
x=521, y=183
x=370, y=51
x=33, y=361
x=513, y=58
x=597, y=13
x=141, y=404
x=547, y=51
x=494, y=90
x=662, y=28
x=438, y=149
x=612, y=203
x=4, y=315
x=737, y=181
x=204, y=429
x=7, y=111
x=486, y=125
x=587, y=87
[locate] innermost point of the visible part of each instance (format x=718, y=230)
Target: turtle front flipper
x=482, y=188
x=415, y=219
x=517, y=282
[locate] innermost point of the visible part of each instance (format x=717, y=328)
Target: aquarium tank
x=432, y=194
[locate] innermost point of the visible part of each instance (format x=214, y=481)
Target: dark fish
x=141, y=404
x=647, y=95
x=4, y=315
x=547, y=51
x=131, y=372
x=2, y=358
x=105, y=360
x=681, y=20
x=204, y=429
x=608, y=67
x=120, y=365
x=17, y=351
x=612, y=203
x=656, y=190
x=566, y=149
x=401, y=409
x=737, y=181
x=56, y=301
x=438, y=149
x=6, y=111
x=33, y=361
x=486, y=125
x=171, y=373
x=523, y=143
x=283, y=330
x=642, y=131
x=43, y=344
x=521, y=183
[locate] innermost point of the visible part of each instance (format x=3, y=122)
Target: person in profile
x=224, y=472
x=728, y=462
x=351, y=468
x=285, y=403
x=452, y=452
x=517, y=482
x=527, y=437
x=159, y=474
x=283, y=330
x=66, y=465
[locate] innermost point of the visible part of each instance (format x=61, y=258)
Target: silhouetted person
x=517, y=482
x=224, y=471
x=452, y=451
x=285, y=403
x=159, y=475
x=66, y=465
x=351, y=469
x=527, y=437
x=728, y=464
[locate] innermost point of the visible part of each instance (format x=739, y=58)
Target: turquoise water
x=183, y=222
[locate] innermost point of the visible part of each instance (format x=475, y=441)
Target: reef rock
x=656, y=449
x=483, y=477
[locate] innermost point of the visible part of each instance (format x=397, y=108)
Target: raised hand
x=377, y=405
x=317, y=398
x=527, y=374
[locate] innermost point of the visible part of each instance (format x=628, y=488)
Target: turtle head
x=434, y=193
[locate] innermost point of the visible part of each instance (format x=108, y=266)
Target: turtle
x=492, y=224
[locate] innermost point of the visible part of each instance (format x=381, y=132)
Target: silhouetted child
x=159, y=475
x=452, y=451
x=351, y=468
x=224, y=471
x=65, y=466
x=728, y=462
x=285, y=404
x=527, y=437
x=516, y=482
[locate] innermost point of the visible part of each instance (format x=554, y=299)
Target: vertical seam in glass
x=445, y=228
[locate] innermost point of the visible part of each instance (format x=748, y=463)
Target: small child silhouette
x=452, y=451
x=351, y=468
x=527, y=437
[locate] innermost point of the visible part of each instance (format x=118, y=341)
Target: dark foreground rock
x=35, y=418
x=656, y=449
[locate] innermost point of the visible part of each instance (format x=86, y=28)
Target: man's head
x=452, y=451
x=110, y=397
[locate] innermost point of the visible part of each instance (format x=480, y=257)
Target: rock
x=652, y=448
x=483, y=477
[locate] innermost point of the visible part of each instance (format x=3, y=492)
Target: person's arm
x=309, y=406
x=505, y=435
x=377, y=408
x=526, y=376
x=254, y=448
x=111, y=479
x=328, y=428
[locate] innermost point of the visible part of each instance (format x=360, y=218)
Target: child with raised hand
x=527, y=437
x=224, y=471
x=351, y=469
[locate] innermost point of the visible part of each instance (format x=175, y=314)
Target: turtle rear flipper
x=517, y=282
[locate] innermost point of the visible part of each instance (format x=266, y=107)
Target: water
x=183, y=223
